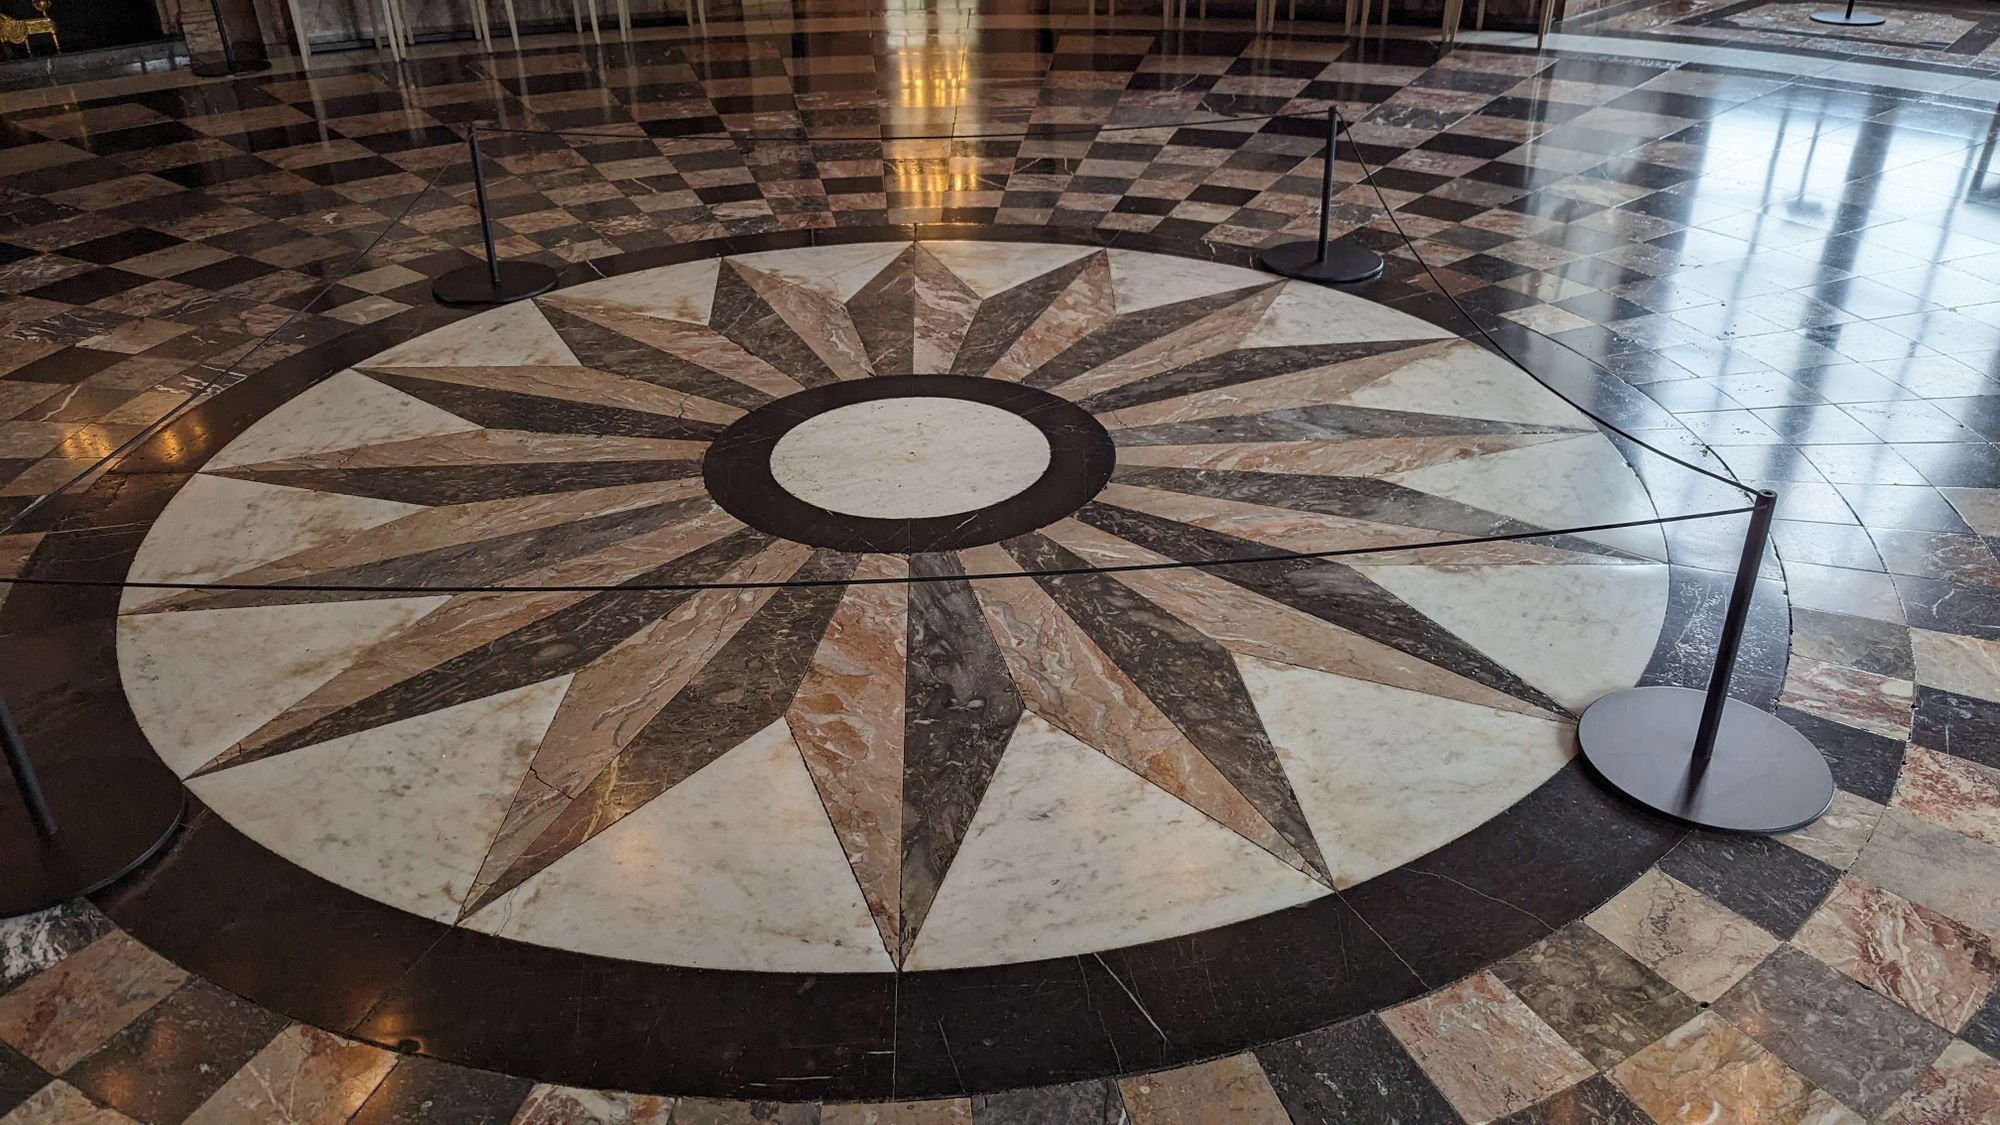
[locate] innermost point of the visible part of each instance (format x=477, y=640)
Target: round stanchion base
x=111, y=816
x=1763, y=778
x=1345, y=262
x=473, y=284
x=1849, y=19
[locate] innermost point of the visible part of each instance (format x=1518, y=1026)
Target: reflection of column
x=223, y=37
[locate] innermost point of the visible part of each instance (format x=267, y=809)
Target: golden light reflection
x=927, y=183
x=930, y=67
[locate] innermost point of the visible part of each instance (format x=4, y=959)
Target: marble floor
x=917, y=627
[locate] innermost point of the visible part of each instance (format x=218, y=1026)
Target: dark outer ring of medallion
x=224, y=907
x=737, y=468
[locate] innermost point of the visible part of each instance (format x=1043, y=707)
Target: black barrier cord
x=1051, y=129
x=1368, y=174
x=1273, y=557
x=146, y=433
x=1118, y=568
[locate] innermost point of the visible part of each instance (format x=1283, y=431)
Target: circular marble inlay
x=993, y=460
x=875, y=607
x=909, y=458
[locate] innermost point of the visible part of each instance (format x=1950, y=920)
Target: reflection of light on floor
x=930, y=63
x=88, y=443
x=929, y=184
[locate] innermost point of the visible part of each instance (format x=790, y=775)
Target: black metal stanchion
x=1849, y=18
x=1325, y=260
x=231, y=64
x=116, y=812
x=495, y=282
x=1702, y=757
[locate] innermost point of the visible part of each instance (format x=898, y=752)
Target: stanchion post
x=1755, y=539
x=1700, y=756
x=1325, y=260
x=24, y=774
x=492, y=282
x=485, y=214
x=116, y=812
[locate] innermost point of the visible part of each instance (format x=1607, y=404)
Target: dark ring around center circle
x=737, y=468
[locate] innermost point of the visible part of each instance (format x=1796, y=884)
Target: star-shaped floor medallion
x=839, y=757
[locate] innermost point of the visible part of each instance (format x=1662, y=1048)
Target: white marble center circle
x=910, y=458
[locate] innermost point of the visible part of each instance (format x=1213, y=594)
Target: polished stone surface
x=686, y=778
x=1776, y=237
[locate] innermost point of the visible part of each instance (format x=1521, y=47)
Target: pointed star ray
x=1172, y=343
x=820, y=321
x=1323, y=423
x=1359, y=457
x=1246, y=622
x=696, y=344
x=614, y=697
x=608, y=340
x=848, y=720
x=486, y=544
x=1067, y=679
x=547, y=647
x=1325, y=589
x=961, y=707
x=1327, y=369
x=1143, y=330
x=1314, y=513
x=1187, y=675
x=743, y=689
x=943, y=312
x=551, y=400
x=884, y=312
x=1016, y=331
x=741, y=313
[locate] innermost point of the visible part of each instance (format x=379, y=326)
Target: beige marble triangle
x=683, y=292
x=1250, y=624
x=616, y=695
x=735, y=868
x=1464, y=380
x=1577, y=480
x=1387, y=775
x=1362, y=457
x=193, y=708
x=1066, y=679
x=1575, y=632
x=1310, y=387
x=427, y=529
x=1281, y=528
x=1073, y=851
x=1142, y=281
x=462, y=624
x=990, y=268
x=512, y=335
x=1084, y=305
x=215, y=526
x=836, y=271
x=344, y=412
x=818, y=320
x=848, y=721
x=1212, y=335
x=401, y=813
x=696, y=343
x=1287, y=529
x=578, y=384
x=1305, y=313
x=496, y=447
x=944, y=308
